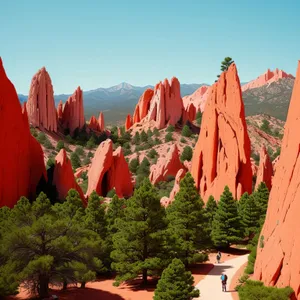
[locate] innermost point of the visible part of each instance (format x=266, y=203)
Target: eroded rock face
x=21, y=156
x=73, y=113
x=63, y=176
x=180, y=174
x=60, y=111
x=109, y=170
x=278, y=261
x=166, y=166
x=101, y=122
x=128, y=122
x=93, y=124
x=266, y=78
x=163, y=105
x=265, y=169
x=40, y=106
x=222, y=153
x=198, y=99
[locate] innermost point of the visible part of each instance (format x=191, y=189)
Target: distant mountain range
x=116, y=101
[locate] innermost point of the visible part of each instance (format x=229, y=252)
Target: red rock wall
x=21, y=157
x=278, y=262
x=73, y=112
x=40, y=105
x=265, y=169
x=222, y=153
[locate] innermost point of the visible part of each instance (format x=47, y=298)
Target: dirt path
x=210, y=287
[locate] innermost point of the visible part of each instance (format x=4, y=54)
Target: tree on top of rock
x=226, y=227
x=187, y=225
x=176, y=283
x=225, y=64
x=139, y=240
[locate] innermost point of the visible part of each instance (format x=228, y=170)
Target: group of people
x=223, y=276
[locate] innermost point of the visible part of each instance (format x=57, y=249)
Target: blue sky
x=97, y=43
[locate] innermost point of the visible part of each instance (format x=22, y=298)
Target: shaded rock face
x=21, y=156
x=73, y=113
x=265, y=169
x=93, y=124
x=128, y=122
x=278, y=261
x=180, y=174
x=97, y=125
x=166, y=166
x=101, y=121
x=197, y=99
x=63, y=176
x=109, y=170
x=266, y=78
x=40, y=106
x=60, y=111
x=222, y=153
x=162, y=105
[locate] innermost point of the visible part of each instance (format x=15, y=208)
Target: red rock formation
x=73, y=113
x=180, y=174
x=189, y=114
x=109, y=170
x=265, y=169
x=278, y=261
x=266, y=78
x=253, y=167
x=166, y=166
x=93, y=124
x=275, y=163
x=80, y=170
x=198, y=99
x=163, y=105
x=222, y=153
x=63, y=177
x=60, y=111
x=40, y=106
x=128, y=122
x=101, y=122
x=21, y=157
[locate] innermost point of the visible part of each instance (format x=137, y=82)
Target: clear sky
x=95, y=43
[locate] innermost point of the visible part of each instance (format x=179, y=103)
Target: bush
x=41, y=137
x=198, y=117
x=182, y=140
x=170, y=128
x=33, y=132
x=133, y=165
x=144, y=136
x=149, y=133
x=127, y=152
x=91, y=143
x=90, y=154
x=50, y=162
x=48, y=144
x=86, y=161
x=75, y=160
x=186, y=131
x=152, y=153
x=169, y=137
x=256, y=290
x=156, y=132
x=136, y=139
x=79, y=150
x=265, y=126
x=157, y=141
x=256, y=158
x=111, y=193
x=60, y=145
x=187, y=154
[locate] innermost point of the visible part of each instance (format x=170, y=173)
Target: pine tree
x=75, y=160
x=261, y=198
x=210, y=211
x=226, y=227
x=136, y=139
x=187, y=154
x=241, y=204
x=187, y=225
x=250, y=217
x=186, y=131
x=144, y=136
x=139, y=240
x=176, y=283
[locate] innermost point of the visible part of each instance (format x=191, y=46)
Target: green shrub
x=111, y=193
x=75, y=160
x=48, y=144
x=256, y=290
x=152, y=153
x=187, y=154
x=79, y=150
x=41, y=137
x=169, y=137
x=127, y=152
x=133, y=165
x=84, y=175
x=50, y=162
x=265, y=126
x=90, y=154
x=60, y=145
x=170, y=128
x=182, y=140
x=198, y=117
x=186, y=131
x=157, y=141
x=149, y=133
x=136, y=139
x=156, y=132
x=33, y=132
x=144, y=136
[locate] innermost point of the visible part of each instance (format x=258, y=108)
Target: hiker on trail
x=224, y=282
x=219, y=257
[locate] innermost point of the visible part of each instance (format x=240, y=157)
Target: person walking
x=219, y=255
x=224, y=282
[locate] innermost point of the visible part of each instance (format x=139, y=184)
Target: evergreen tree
x=210, y=211
x=226, y=227
x=187, y=225
x=186, y=131
x=144, y=136
x=139, y=240
x=261, y=198
x=60, y=145
x=136, y=139
x=75, y=160
x=156, y=132
x=198, y=117
x=170, y=128
x=186, y=154
x=241, y=204
x=225, y=64
x=133, y=165
x=176, y=283
x=169, y=137
x=250, y=217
